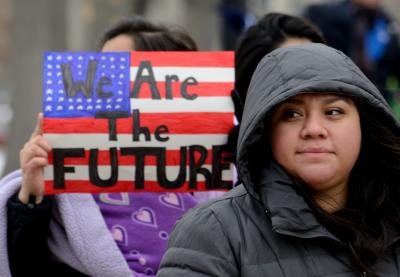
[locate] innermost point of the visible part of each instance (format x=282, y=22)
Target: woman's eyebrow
x=293, y=101
x=335, y=99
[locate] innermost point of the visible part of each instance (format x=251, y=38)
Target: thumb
x=39, y=125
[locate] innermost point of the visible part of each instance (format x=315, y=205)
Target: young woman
x=89, y=234
x=319, y=155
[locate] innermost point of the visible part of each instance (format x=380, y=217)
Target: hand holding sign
x=33, y=157
x=139, y=121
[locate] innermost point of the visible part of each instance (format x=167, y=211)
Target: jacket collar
x=289, y=212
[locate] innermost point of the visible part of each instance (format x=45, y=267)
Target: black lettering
x=59, y=170
x=137, y=130
x=112, y=122
x=162, y=129
x=161, y=170
x=86, y=88
x=218, y=167
x=94, y=172
x=168, y=85
x=140, y=153
x=104, y=81
x=190, y=81
x=196, y=167
x=140, y=79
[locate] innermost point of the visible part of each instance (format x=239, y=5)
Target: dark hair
x=149, y=36
x=267, y=35
x=259, y=40
x=372, y=210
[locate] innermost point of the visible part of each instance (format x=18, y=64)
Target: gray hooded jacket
x=264, y=227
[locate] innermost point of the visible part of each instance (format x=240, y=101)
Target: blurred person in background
x=48, y=236
x=5, y=119
x=367, y=34
x=272, y=31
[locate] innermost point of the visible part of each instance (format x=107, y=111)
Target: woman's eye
x=334, y=112
x=291, y=114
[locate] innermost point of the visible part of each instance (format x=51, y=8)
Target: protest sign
x=139, y=121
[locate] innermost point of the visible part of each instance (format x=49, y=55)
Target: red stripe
x=190, y=59
x=173, y=157
x=82, y=186
x=177, y=123
x=201, y=89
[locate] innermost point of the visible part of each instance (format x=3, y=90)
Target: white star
x=50, y=58
x=89, y=107
x=49, y=99
x=60, y=91
x=109, y=100
x=58, y=57
x=70, y=100
x=89, y=100
x=108, y=107
x=121, y=76
x=99, y=101
x=49, y=91
x=122, y=67
x=122, y=59
x=59, y=108
x=61, y=99
x=48, y=108
x=119, y=99
x=69, y=58
x=80, y=108
x=58, y=73
x=49, y=74
x=80, y=58
x=71, y=108
x=49, y=82
x=120, y=92
x=117, y=106
x=98, y=107
x=112, y=59
x=49, y=66
x=79, y=100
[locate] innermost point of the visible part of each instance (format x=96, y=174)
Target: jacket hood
x=290, y=71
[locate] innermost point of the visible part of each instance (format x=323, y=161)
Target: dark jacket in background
x=264, y=227
x=28, y=230
x=351, y=29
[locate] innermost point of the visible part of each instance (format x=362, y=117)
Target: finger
x=31, y=151
x=39, y=141
x=39, y=126
x=34, y=164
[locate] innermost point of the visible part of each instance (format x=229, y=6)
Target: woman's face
x=317, y=139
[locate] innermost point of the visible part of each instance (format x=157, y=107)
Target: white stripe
x=127, y=173
x=178, y=105
x=101, y=141
x=201, y=74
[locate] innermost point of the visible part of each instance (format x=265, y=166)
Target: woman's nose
x=314, y=128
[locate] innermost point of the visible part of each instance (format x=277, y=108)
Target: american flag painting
x=139, y=121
